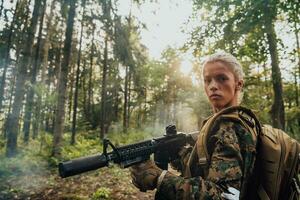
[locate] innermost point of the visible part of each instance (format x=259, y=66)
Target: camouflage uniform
x=232, y=149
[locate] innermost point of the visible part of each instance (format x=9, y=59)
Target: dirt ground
x=107, y=183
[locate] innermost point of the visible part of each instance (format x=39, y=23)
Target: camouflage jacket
x=232, y=161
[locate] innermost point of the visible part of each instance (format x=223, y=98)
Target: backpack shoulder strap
x=200, y=153
x=237, y=113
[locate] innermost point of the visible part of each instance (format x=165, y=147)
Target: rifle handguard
x=163, y=148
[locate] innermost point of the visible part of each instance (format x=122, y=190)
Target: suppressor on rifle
x=80, y=165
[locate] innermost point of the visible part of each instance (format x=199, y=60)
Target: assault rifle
x=164, y=148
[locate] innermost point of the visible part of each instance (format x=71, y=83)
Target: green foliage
x=72, y=197
x=102, y=193
x=34, y=159
x=199, y=103
x=246, y=30
x=87, y=143
x=158, y=91
x=131, y=136
x=293, y=122
x=30, y=160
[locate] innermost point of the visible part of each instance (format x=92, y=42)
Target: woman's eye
x=206, y=80
x=222, y=78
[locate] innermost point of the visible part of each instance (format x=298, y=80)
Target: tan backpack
x=278, y=154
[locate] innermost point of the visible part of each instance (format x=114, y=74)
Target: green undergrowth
x=35, y=157
x=89, y=143
x=29, y=160
x=102, y=193
x=33, y=168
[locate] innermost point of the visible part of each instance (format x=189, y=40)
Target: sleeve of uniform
x=183, y=156
x=227, y=167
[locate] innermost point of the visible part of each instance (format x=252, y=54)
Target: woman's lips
x=215, y=96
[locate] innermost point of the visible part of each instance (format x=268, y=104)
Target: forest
x=73, y=72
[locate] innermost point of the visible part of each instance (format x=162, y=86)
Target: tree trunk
x=75, y=103
x=6, y=55
x=139, y=116
x=52, y=74
x=90, y=81
x=83, y=88
x=129, y=98
x=145, y=106
x=34, y=71
x=13, y=120
x=9, y=105
x=125, y=100
x=70, y=93
x=1, y=7
x=103, y=92
x=62, y=86
x=296, y=31
x=144, y=110
x=277, y=110
x=117, y=100
x=45, y=50
x=90, y=90
x=296, y=89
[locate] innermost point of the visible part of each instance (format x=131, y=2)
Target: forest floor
x=33, y=175
x=104, y=184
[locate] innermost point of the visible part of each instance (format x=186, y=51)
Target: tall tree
x=87, y=88
x=75, y=103
x=13, y=120
x=90, y=73
x=123, y=52
x=107, y=9
x=62, y=86
x=44, y=65
x=34, y=71
x=126, y=103
x=277, y=110
x=103, y=89
x=6, y=56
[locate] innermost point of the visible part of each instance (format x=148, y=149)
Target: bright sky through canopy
x=165, y=22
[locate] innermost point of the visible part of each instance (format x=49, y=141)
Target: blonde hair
x=231, y=62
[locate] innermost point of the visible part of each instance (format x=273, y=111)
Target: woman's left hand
x=145, y=175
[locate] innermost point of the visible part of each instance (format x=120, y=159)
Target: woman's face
x=220, y=85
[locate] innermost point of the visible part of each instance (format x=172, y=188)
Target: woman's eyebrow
x=221, y=74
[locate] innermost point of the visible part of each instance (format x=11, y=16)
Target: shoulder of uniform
x=225, y=126
x=240, y=116
x=228, y=121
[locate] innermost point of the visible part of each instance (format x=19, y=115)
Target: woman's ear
x=239, y=85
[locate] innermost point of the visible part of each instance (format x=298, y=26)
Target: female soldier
x=229, y=170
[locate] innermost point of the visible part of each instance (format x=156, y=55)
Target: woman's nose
x=213, y=85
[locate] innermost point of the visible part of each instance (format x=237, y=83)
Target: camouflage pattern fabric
x=144, y=176
x=179, y=164
x=231, y=165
